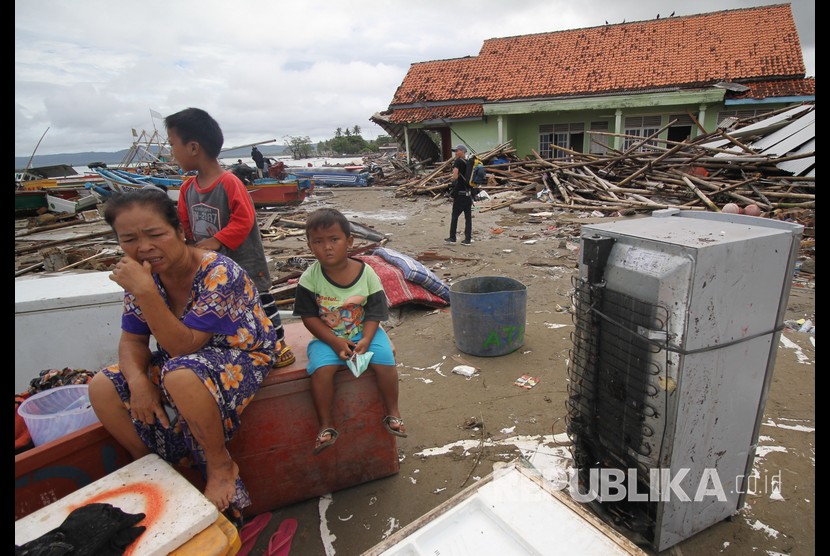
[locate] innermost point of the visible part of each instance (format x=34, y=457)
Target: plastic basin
x=57, y=412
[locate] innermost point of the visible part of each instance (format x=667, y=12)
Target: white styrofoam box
x=509, y=512
x=175, y=511
x=65, y=320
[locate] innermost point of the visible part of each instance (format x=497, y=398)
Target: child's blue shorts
x=320, y=353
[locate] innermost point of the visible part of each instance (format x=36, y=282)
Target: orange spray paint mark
x=154, y=503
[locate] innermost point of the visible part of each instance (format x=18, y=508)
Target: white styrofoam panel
x=175, y=511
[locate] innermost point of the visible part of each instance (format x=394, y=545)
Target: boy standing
x=342, y=303
x=216, y=209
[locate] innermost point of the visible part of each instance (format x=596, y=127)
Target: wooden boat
x=165, y=181
x=124, y=181
x=268, y=192
x=49, y=177
x=26, y=202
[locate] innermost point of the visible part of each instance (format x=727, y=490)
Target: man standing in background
x=259, y=160
x=462, y=198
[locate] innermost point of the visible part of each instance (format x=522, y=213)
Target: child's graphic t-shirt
x=343, y=308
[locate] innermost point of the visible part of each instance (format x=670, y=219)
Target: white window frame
x=639, y=127
x=559, y=135
x=599, y=144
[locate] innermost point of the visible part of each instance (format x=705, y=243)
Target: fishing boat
x=28, y=202
x=123, y=181
x=268, y=192
x=155, y=179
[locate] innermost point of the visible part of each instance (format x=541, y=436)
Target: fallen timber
x=652, y=173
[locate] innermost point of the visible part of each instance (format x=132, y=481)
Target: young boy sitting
x=337, y=285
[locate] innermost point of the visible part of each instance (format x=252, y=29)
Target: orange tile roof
x=780, y=88
x=689, y=51
x=451, y=112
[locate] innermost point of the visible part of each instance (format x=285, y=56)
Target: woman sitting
x=214, y=348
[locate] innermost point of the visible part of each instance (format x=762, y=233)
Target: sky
x=88, y=72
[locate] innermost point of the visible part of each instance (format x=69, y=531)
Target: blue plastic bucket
x=488, y=315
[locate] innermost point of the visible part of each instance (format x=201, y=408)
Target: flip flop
x=250, y=532
x=323, y=445
x=285, y=357
x=388, y=420
x=280, y=542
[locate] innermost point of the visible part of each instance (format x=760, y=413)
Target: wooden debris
x=702, y=173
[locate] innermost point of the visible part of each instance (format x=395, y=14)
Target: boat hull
x=277, y=194
x=56, y=200
x=29, y=201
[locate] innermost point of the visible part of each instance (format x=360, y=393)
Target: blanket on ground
x=415, y=271
x=399, y=290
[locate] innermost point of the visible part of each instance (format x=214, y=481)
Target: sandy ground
x=442, y=455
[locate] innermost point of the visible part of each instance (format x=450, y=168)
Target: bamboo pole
x=703, y=197
x=651, y=163
x=96, y=255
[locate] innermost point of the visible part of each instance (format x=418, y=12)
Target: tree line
x=345, y=142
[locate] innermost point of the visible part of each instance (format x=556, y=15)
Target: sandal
x=250, y=532
x=321, y=444
x=390, y=420
x=280, y=542
x=285, y=356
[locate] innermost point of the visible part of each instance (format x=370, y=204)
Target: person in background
x=214, y=347
x=342, y=303
x=217, y=211
x=259, y=160
x=462, y=198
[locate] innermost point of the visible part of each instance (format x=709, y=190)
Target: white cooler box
x=65, y=320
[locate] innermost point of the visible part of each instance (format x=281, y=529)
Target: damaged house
x=599, y=88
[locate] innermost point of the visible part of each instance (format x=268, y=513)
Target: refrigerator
x=677, y=323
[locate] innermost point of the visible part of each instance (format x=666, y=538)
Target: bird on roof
x=671, y=14
x=658, y=16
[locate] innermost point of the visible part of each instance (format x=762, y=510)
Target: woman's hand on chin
x=133, y=276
